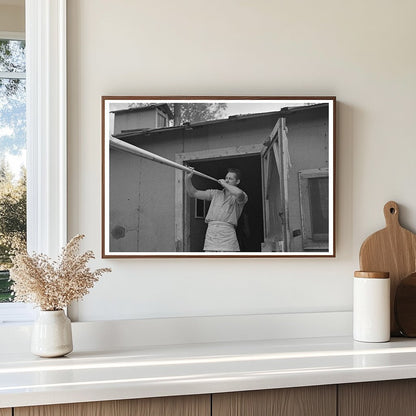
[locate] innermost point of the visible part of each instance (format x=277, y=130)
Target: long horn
x=120, y=145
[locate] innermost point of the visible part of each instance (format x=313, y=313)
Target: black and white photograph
x=215, y=176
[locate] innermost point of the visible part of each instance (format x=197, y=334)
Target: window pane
x=12, y=118
x=12, y=159
x=199, y=208
x=318, y=191
x=5, y=292
x=161, y=121
x=12, y=56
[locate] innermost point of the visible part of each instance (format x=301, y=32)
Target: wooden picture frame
x=284, y=147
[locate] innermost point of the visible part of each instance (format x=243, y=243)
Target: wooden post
x=284, y=187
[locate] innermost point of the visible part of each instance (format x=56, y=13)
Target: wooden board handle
x=391, y=214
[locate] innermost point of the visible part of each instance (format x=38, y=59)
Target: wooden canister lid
x=372, y=275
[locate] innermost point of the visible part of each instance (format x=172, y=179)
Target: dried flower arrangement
x=52, y=285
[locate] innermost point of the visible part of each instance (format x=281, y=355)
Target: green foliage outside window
x=12, y=224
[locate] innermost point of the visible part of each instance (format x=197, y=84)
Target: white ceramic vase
x=52, y=334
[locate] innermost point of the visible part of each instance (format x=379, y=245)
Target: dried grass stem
x=53, y=285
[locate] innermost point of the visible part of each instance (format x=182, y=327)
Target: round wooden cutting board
x=393, y=250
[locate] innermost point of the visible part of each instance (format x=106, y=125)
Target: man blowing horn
x=224, y=211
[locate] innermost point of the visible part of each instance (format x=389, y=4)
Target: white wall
x=361, y=51
x=12, y=16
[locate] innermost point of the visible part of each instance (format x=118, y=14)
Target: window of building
x=318, y=192
x=162, y=120
x=201, y=208
x=313, y=185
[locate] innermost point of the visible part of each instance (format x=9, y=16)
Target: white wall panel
x=361, y=52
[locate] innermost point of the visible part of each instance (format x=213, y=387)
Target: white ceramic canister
x=371, y=309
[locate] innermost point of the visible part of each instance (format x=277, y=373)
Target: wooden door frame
x=275, y=145
x=182, y=203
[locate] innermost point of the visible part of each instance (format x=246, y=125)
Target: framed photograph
x=218, y=176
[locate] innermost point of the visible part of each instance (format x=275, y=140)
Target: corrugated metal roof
x=189, y=126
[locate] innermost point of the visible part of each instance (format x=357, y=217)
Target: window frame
x=161, y=115
x=46, y=135
x=205, y=206
x=310, y=241
x=12, y=36
x=14, y=312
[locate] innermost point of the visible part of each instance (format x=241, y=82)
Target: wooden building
x=284, y=159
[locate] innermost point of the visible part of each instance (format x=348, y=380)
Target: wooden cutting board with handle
x=393, y=250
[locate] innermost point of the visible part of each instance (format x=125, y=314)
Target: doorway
x=250, y=225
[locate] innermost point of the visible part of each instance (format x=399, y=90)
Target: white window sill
x=16, y=313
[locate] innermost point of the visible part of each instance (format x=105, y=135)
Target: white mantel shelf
x=151, y=371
